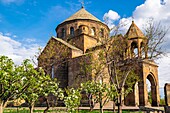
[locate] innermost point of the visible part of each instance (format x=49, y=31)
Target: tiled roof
x=82, y=14
x=134, y=31
x=65, y=43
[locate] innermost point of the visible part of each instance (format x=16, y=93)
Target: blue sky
x=37, y=19
x=26, y=25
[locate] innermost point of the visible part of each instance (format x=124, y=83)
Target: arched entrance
x=152, y=95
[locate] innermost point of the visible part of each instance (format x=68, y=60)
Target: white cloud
x=14, y=36
x=16, y=50
x=29, y=40
x=164, y=70
x=110, y=17
x=12, y=1
x=7, y=34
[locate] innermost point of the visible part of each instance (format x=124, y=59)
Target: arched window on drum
x=93, y=31
x=63, y=33
x=72, y=31
x=101, y=32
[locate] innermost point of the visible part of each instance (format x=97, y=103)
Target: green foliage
x=72, y=100
x=40, y=84
x=99, y=91
x=24, y=81
x=130, y=82
x=95, y=88
x=162, y=101
x=11, y=80
x=150, y=97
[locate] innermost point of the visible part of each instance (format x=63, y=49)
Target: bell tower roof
x=82, y=14
x=134, y=31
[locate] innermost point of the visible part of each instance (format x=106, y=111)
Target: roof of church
x=134, y=31
x=82, y=14
x=67, y=44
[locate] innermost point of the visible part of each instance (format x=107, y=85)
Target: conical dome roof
x=134, y=31
x=82, y=14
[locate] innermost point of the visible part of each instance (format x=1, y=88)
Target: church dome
x=82, y=14
x=81, y=22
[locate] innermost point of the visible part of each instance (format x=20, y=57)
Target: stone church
x=78, y=36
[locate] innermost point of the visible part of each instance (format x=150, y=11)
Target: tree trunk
x=101, y=106
x=91, y=105
x=101, y=110
x=31, y=107
x=119, y=108
x=119, y=103
x=3, y=104
x=1, y=107
x=91, y=102
x=48, y=105
x=113, y=106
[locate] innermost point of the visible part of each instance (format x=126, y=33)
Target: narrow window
x=71, y=31
x=52, y=71
x=63, y=31
x=101, y=32
x=92, y=31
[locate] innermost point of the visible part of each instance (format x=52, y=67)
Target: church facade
x=77, y=39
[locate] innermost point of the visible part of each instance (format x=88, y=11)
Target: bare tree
x=156, y=34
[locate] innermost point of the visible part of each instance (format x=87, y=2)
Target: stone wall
x=79, y=70
x=167, y=94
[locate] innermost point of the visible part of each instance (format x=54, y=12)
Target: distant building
x=78, y=39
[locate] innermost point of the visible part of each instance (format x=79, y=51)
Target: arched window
x=80, y=30
x=134, y=49
x=101, y=32
x=52, y=71
x=71, y=31
x=63, y=32
x=92, y=31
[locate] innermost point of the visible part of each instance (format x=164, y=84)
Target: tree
x=98, y=93
x=72, y=100
x=11, y=81
x=156, y=34
x=109, y=65
x=40, y=84
x=120, y=69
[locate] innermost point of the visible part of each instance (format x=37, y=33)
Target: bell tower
x=137, y=42
x=147, y=70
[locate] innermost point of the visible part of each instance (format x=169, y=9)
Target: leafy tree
x=11, y=81
x=72, y=100
x=98, y=93
x=40, y=85
x=115, y=66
